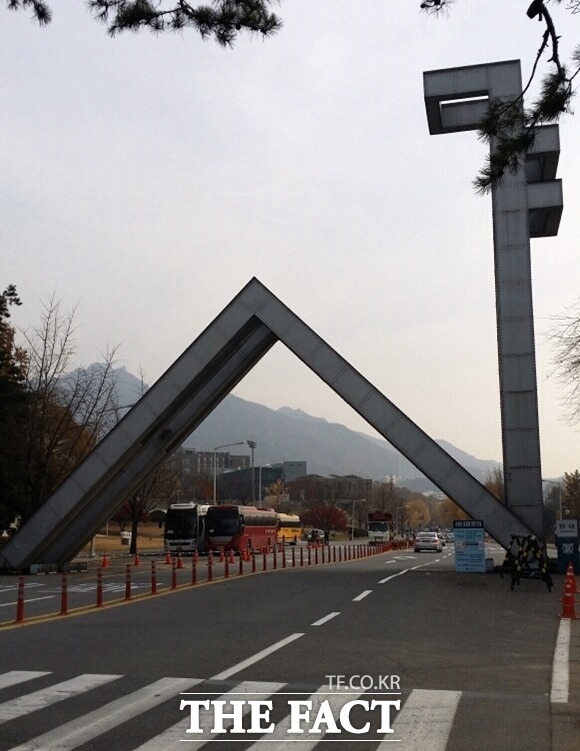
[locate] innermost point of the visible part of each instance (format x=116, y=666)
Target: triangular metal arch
x=190, y=390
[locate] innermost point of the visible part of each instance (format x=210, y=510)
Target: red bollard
x=293, y=557
x=340, y=554
x=264, y=562
x=253, y=562
x=334, y=553
x=283, y=557
x=275, y=557
x=128, y=582
x=153, y=578
x=241, y=565
x=209, y=567
x=316, y=554
x=301, y=556
x=194, y=569
x=99, y=587
x=20, y=601
x=64, y=594
x=309, y=555
x=227, y=568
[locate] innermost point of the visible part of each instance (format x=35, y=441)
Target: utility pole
x=252, y=445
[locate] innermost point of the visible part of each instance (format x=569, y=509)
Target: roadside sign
x=567, y=527
x=469, y=546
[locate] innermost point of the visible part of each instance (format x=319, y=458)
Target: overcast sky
x=148, y=179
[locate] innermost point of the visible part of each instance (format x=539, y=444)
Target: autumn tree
x=326, y=517
x=417, y=513
x=448, y=512
x=277, y=495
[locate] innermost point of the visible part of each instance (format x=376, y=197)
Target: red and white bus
x=240, y=528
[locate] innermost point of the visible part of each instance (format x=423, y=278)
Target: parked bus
x=289, y=528
x=239, y=528
x=185, y=528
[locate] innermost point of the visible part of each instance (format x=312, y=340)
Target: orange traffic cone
x=568, y=610
x=179, y=561
x=222, y=556
x=168, y=558
x=571, y=577
x=196, y=557
x=231, y=556
x=105, y=561
x=137, y=561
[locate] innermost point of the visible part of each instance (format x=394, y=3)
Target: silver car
x=428, y=541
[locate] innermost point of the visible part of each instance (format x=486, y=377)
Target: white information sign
x=567, y=528
x=469, y=546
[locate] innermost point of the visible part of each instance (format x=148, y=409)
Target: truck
x=380, y=527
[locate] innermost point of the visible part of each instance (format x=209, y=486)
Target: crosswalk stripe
x=425, y=720
x=172, y=738
x=279, y=739
x=82, y=730
x=14, y=677
x=44, y=697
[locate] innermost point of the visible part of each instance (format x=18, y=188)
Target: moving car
x=428, y=541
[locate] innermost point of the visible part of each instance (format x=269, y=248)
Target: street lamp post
x=252, y=445
x=224, y=446
x=358, y=500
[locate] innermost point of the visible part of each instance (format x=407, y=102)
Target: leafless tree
x=69, y=410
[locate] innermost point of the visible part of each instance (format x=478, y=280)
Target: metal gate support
x=524, y=205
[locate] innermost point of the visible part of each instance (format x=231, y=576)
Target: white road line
x=279, y=739
x=23, y=705
x=392, y=576
x=14, y=587
x=82, y=730
x=28, y=599
x=326, y=618
x=362, y=595
x=425, y=720
x=15, y=677
x=255, y=658
x=172, y=738
x=561, y=664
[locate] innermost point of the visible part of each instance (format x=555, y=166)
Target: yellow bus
x=289, y=528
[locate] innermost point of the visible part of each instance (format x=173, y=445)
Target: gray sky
x=147, y=179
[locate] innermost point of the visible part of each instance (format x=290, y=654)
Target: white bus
x=185, y=528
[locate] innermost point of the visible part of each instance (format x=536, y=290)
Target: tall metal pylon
x=524, y=205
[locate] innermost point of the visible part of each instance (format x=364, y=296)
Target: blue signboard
x=469, y=546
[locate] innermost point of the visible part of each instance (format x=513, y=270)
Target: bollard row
x=315, y=554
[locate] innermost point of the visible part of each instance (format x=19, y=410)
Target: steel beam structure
x=526, y=204
x=192, y=387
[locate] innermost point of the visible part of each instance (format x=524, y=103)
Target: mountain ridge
x=290, y=434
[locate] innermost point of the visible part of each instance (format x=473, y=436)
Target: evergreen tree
x=13, y=403
x=222, y=19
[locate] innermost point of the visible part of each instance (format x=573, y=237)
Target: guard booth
x=567, y=544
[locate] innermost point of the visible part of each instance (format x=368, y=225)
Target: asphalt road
x=468, y=659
